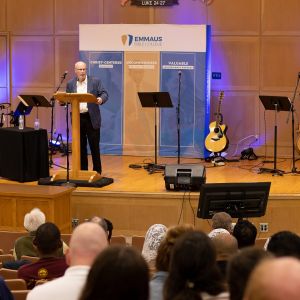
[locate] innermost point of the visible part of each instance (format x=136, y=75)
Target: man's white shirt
x=67, y=287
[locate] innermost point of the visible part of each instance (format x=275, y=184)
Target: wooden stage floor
x=138, y=199
x=127, y=179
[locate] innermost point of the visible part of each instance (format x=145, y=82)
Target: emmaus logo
x=130, y=40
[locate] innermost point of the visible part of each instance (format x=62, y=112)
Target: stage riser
x=133, y=213
x=18, y=199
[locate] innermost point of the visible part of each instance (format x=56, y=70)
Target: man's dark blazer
x=95, y=87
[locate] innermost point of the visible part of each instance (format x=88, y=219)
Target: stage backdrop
x=150, y=58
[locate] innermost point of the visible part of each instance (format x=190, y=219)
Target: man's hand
x=99, y=100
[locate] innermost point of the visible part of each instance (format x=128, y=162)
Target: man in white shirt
x=90, y=116
x=87, y=241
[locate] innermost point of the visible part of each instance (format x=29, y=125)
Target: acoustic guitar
x=216, y=141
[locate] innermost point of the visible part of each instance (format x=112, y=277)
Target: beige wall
x=255, y=44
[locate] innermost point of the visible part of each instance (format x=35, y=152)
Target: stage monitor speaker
x=184, y=177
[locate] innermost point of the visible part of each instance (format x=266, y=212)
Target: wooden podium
x=75, y=172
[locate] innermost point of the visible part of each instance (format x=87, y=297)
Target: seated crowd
x=176, y=263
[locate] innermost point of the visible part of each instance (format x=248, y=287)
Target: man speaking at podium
x=90, y=117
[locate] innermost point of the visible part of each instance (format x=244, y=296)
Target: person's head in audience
x=47, y=240
x=165, y=248
x=222, y=220
x=87, y=241
x=275, y=279
x=217, y=231
x=245, y=233
x=34, y=219
x=153, y=238
x=284, y=243
x=105, y=224
x=118, y=273
x=193, y=268
x=226, y=246
x=240, y=267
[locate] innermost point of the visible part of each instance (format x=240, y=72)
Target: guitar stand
x=216, y=159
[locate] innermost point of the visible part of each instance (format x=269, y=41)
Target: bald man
x=226, y=246
x=275, y=279
x=87, y=241
x=90, y=117
x=222, y=220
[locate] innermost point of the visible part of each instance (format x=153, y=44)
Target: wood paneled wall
x=255, y=45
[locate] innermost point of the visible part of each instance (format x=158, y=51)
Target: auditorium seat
x=138, y=242
x=6, y=257
x=7, y=239
x=30, y=258
x=260, y=242
x=118, y=240
x=20, y=294
x=8, y=273
x=1, y=251
x=66, y=237
x=16, y=284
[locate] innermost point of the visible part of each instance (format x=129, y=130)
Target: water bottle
x=21, y=122
x=36, y=124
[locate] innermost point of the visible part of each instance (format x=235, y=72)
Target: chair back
x=118, y=240
x=6, y=257
x=1, y=251
x=30, y=258
x=260, y=242
x=16, y=284
x=8, y=273
x=20, y=294
x=66, y=237
x=138, y=242
x=7, y=239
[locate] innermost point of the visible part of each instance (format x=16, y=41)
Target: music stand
x=21, y=110
x=34, y=100
x=276, y=103
x=155, y=100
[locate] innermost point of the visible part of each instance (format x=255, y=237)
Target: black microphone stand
x=292, y=110
x=63, y=77
x=178, y=118
x=68, y=183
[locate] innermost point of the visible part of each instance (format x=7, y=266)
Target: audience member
x=217, y=231
x=163, y=259
x=222, y=220
x=284, y=243
x=23, y=245
x=226, y=246
x=245, y=233
x=193, y=273
x=105, y=224
x=118, y=273
x=275, y=279
x=49, y=266
x=5, y=293
x=87, y=241
x=240, y=267
x=153, y=238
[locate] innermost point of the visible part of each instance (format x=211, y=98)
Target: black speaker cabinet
x=184, y=177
